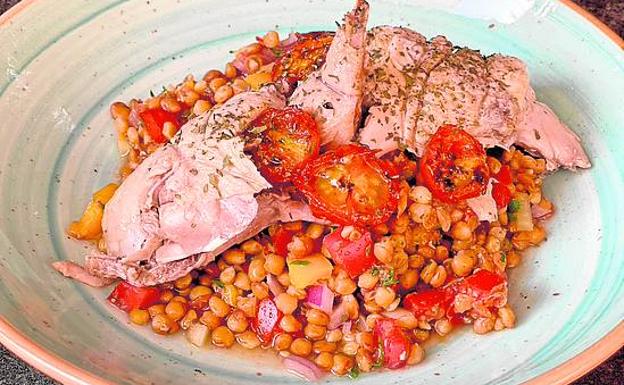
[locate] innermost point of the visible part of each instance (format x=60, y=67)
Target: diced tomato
x=453, y=165
x=355, y=257
x=394, y=346
x=128, y=297
x=479, y=284
x=483, y=286
x=302, y=320
x=486, y=288
x=281, y=239
x=245, y=266
x=307, y=54
x=500, y=191
x=430, y=304
x=288, y=139
x=349, y=185
x=504, y=175
x=501, y=195
x=266, y=322
x=155, y=119
x=458, y=320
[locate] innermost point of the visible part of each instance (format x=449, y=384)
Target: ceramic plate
x=63, y=63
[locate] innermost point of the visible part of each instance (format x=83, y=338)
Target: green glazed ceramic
x=63, y=63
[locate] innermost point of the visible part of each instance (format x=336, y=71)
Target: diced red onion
x=292, y=39
x=346, y=327
x=267, y=56
x=240, y=61
x=338, y=317
x=274, y=286
x=361, y=324
x=320, y=297
x=134, y=119
x=538, y=212
x=302, y=367
x=405, y=316
x=239, y=64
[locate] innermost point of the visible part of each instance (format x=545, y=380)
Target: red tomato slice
x=155, y=119
x=288, y=139
x=501, y=195
x=267, y=319
x=128, y=297
x=349, y=185
x=304, y=56
x=394, y=346
x=354, y=256
x=429, y=305
x=281, y=239
x=453, y=165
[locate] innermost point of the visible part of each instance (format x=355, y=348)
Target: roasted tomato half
x=288, y=138
x=453, y=165
x=302, y=57
x=349, y=185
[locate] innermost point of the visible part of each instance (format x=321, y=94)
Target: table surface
x=14, y=371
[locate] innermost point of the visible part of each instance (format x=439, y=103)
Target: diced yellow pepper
x=90, y=224
x=258, y=79
x=105, y=194
x=307, y=271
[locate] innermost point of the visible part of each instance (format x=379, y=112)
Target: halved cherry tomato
x=288, y=139
x=128, y=297
x=453, y=165
x=406, y=166
x=304, y=56
x=281, y=239
x=501, y=195
x=430, y=304
x=266, y=321
x=349, y=185
x=355, y=257
x=155, y=119
x=394, y=346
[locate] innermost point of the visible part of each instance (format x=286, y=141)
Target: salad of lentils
x=415, y=262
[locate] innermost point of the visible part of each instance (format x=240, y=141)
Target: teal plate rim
x=69, y=374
